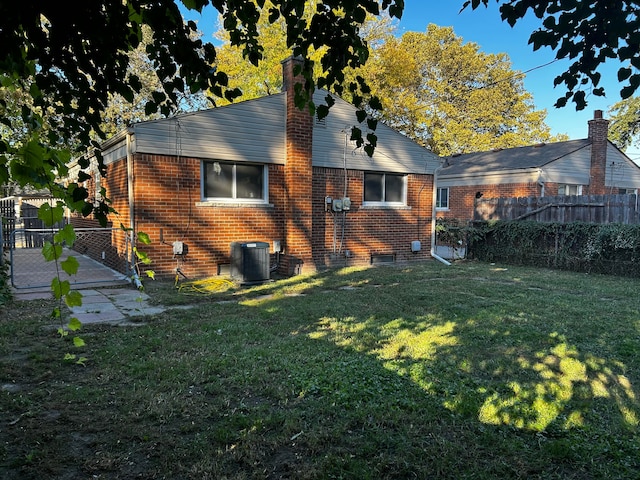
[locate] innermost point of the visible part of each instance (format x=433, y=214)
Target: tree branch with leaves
x=589, y=33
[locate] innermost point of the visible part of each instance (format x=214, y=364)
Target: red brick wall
x=297, y=177
x=168, y=209
x=368, y=231
x=598, y=131
x=167, y=191
x=462, y=199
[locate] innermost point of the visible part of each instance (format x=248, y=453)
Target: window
x=237, y=182
x=628, y=191
x=442, y=199
x=569, y=189
x=385, y=189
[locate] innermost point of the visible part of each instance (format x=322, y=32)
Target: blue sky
x=485, y=28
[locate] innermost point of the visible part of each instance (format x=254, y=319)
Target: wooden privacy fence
x=561, y=209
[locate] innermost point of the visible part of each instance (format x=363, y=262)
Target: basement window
x=569, y=189
x=385, y=189
x=234, y=182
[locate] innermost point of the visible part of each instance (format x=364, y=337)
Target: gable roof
x=518, y=158
x=254, y=131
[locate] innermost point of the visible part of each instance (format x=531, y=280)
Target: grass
x=471, y=371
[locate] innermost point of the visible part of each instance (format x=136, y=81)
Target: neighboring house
x=264, y=171
x=590, y=166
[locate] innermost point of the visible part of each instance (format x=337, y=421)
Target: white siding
x=254, y=131
x=394, y=151
x=247, y=131
x=572, y=169
x=115, y=152
x=495, y=178
x=622, y=172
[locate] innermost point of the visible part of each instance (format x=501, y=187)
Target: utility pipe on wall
x=433, y=216
x=131, y=199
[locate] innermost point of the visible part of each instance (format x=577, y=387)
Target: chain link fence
x=103, y=255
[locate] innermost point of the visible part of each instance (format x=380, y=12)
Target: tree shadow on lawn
x=348, y=379
x=493, y=365
x=503, y=369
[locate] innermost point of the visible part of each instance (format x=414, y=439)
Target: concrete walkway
x=113, y=306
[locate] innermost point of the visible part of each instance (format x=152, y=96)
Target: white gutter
x=131, y=199
x=433, y=216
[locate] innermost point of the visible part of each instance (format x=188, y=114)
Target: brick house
x=589, y=166
x=264, y=171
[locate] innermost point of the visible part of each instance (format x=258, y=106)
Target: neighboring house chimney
x=297, y=175
x=598, y=130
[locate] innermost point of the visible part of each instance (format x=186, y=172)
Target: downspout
x=433, y=216
x=131, y=199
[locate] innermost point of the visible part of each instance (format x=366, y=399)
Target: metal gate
x=103, y=255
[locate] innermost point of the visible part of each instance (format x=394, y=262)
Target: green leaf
x=33, y=154
x=78, y=342
x=151, y=274
x=623, y=74
x=74, y=324
x=142, y=256
x=51, y=252
x=375, y=103
x=369, y=149
x=70, y=265
x=144, y=238
x=60, y=288
x=150, y=108
x=51, y=215
x=322, y=111
x=73, y=298
x=69, y=357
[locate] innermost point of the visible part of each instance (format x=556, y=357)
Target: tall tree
x=71, y=56
x=120, y=112
x=624, y=129
x=450, y=96
x=587, y=32
x=266, y=77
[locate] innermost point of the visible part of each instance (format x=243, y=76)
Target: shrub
x=586, y=247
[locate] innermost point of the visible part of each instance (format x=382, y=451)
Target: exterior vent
x=250, y=262
x=378, y=258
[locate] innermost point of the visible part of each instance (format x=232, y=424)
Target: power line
x=515, y=75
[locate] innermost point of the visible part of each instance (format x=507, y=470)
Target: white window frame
x=629, y=191
x=233, y=198
x=439, y=206
x=564, y=187
x=384, y=203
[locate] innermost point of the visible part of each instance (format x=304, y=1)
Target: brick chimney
x=598, y=130
x=297, y=175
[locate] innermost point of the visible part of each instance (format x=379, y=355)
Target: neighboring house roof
x=534, y=156
x=560, y=162
x=254, y=131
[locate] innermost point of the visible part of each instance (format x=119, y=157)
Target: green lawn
x=426, y=371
